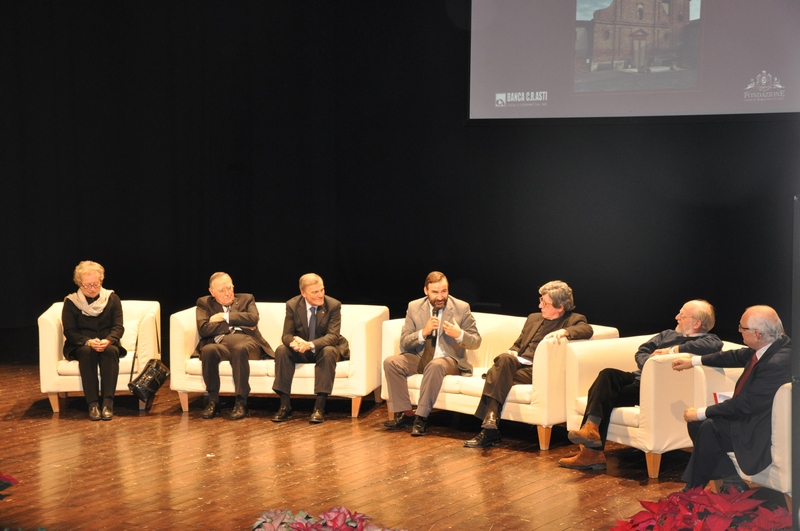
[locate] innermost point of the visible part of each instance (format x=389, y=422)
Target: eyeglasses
x=684, y=316
x=94, y=285
x=226, y=289
x=546, y=304
x=743, y=329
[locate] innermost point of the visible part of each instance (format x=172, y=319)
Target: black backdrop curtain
x=169, y=140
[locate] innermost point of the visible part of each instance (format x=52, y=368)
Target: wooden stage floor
x=164, y=469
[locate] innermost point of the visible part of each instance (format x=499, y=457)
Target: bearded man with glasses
x=616, y=388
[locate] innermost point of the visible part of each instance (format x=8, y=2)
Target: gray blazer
x=455, y=311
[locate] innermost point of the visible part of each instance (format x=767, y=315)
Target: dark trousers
x=324, y=358
x=501, y=377
x=236, y=348
x=612, y=388
x=712, y=442
x=88, y=362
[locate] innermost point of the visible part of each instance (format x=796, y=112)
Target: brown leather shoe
x=587, y=459
x=588, y=435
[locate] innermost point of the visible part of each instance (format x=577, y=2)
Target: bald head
x=760, y=326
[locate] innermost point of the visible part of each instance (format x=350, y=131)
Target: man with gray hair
x=557, y=321
x=743, y=423
x=616, y=388
x=310, y=335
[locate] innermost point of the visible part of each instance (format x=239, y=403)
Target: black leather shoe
x=94, y=413
x=484, y=439
x=108, y=413
x=317, y=417
x=490, y=421
x=239, y=411
x=284, y=413
x=400, y=421
x=733, y=485
x=211, y=410
x=420, y=426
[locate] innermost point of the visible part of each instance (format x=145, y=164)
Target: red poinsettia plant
x=334, y=519
x=701, y=510
x=5, y=482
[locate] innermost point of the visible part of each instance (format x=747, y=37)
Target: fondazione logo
x=520, y=99
x=764, y=87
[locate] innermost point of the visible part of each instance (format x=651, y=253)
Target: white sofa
x=59, y=377
x=355, y=378
x=656, y=425
x=540, y=403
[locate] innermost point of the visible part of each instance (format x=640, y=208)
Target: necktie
x=746, y=374
x=427, y=353
x=312, y=324
x=218, y=337
x=429, y=349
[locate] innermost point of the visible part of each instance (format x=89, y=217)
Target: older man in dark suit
x=310, y=335
x=743, y=423
x=556, y=320
x=434, y=340
x=228, y=328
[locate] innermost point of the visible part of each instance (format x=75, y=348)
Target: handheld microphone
x=434, y=313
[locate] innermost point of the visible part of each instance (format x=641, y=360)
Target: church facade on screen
x=637, y=34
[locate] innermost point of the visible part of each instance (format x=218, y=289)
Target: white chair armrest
x=664, y=396
x=365, y=346
x=183, y=338
x=390, y=345
x=51, y=347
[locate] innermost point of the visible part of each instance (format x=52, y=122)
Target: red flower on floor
x=701, y=510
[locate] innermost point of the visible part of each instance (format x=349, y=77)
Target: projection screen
x=592, y=58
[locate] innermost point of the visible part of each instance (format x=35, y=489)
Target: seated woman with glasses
x=93, y=327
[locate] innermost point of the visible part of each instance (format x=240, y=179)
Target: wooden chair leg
x=55, y=402
x=184, y=397
x=788, y=498
x=653, y=464
x=544, y=436
x=715, y=486
x=355, y=406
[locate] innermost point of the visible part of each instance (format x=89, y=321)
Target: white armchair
x=58, y=377
x=355, y=378
x=778, y=475
x=656, y=425
x=540, y=403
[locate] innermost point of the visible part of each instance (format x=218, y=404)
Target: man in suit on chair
x=434, y=340
x=743, y=423
x=228, y=328
x=310, y=335
x=557, y=321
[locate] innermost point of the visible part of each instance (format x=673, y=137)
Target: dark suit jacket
x=244, y=314
x=574, y=323
x=79, y=328
x=329, y=322
x=455, y=311
x=750, y=412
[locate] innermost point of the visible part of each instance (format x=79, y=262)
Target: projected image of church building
x=635, y=37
